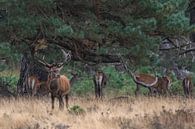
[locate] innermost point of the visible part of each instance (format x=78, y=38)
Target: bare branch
x=187, y=51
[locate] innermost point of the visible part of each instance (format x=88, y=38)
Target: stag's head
x=55, y=68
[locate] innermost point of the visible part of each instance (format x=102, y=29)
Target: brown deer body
x=59, y=87
x=187, y=86
x=160, y=85
x=100, y=80
x=33, y=84
x=145, y=80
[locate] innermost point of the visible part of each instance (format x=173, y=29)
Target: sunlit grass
x=126, y=113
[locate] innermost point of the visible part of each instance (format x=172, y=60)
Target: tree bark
x=24, y=70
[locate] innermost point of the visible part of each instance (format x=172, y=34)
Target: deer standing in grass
x=187, y=86
x=33, y=84
x=100, y=80
x=58, y=85
x=186, y=78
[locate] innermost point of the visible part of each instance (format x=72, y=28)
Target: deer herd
x=59, y=85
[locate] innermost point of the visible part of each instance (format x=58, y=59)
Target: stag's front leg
x=99, y=91
x=61, y=103
x=67, y=97
x=150, y=91
x=96, y=91
x=137, y=89
x=52, y=101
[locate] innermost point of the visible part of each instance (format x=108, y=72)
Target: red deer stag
x=100, y=80
x=58, y=85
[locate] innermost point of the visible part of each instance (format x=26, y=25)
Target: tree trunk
x=24, y=70
x=192, y=21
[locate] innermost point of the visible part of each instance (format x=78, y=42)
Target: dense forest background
x=150, y=35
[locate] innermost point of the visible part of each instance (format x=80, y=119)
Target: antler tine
x=67, y=57
x=43, y=62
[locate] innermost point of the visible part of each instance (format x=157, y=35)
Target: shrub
x=76, y=110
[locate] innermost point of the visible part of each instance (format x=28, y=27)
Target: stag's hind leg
x=61, y=102
x=96, y=91
x=101, y=93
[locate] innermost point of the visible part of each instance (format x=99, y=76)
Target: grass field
x=119, y=113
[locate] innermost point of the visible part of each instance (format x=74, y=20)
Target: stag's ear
x=47, y=68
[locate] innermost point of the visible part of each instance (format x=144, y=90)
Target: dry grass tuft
x=86, y=113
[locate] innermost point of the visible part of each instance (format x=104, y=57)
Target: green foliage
x=9, y=80
x=76, y=19
x=8, y=56
x=76, y=110
x=83, y=87
x=125, y=26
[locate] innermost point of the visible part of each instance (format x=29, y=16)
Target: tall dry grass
x=125, y=113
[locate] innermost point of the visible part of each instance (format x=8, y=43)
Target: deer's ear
x=47, y=68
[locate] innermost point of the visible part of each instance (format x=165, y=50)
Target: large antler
x=67, y=57
x=43, y=62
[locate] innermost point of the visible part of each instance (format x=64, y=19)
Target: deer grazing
x=153, y=83
x=58, y=85
x=160, y=85
x=145, y=80
x=100, y=81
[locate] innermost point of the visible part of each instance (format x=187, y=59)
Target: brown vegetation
x=128, y=113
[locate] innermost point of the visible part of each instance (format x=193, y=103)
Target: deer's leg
x=137, y=89
x=34, y=90
x=52, y=100
x=151, y=91
x=61, y=102
x=67, y=98
x=190, y=90
x=184, y=89
x=101, y=92
x=96, y=91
